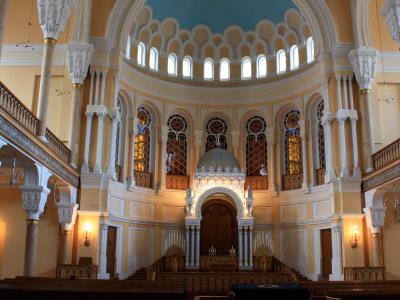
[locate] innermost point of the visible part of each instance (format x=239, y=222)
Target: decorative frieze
x=78, y=59
x=53, y=16
x=364, y=61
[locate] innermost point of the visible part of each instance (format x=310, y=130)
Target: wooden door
x=326, y=255
x=218, y=227
x=111, y=243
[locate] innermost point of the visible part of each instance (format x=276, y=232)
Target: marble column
x=34, y=198
x=113, y=143
x=327, y=119
x=89, y=119
x=364, y=60
x=344, y=171
x=339, y=91
x=337, y=259
x=163, y=161
x=271, y=158
x=304, y=150
x=103, y=229
x=53, y=16
x=67, y=212
x=235, y=143
x=132, y=136
x=78, y=58
x=356, y=163
x=99, y=147
x=3, y=14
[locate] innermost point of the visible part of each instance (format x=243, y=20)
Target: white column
x=251, y=247
x=356, y=170
x=235, y=142
x=329, y=173
x=113, y=144
x=103, y=251
x=53, y=16
x=3, y=14
x=132, y=183
x=345, y=95
x=304, y=150
x=163, y=167
x=197, y=246
x=350, y=81
x=246, y=248
x=187, y=242
x=339, y=91
x=337, y=261
x=34, y=198
x=344, y=171
x=92, y=75
x=271, y=159
x=78, y=57
x=103, y=86
x=192, y=239
x=96, y=95
x=85, y=166
x=240, y=250
x=198, y=142
x=364, y=61
x=99, y=147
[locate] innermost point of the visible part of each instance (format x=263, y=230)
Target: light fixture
x=385, y=98
x=355, y=236
x=27, y=43
x=12, y=171
x=87, y=231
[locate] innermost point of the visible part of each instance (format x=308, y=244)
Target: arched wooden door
x=218, y=227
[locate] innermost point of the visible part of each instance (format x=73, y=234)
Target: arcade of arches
x=135, y=132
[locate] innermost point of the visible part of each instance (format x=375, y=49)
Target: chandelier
x=27, y=43
x=12, y=172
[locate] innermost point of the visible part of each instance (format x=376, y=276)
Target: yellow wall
x=341, y=13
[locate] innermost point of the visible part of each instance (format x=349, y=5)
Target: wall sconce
x=355, y=236
x=87, y=230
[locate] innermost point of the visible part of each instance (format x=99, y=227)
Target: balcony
x=292, y=182
x=19, y=126
x=256, y=182
x=143, y=179
x=386, y=166
x=177, y=182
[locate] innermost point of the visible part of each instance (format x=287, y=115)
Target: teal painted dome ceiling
x=220, y=14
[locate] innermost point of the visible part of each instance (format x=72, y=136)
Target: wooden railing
x=364, y=273
x=386, y=155
x=320, y=176
x=216, y=282
x=292, y=182
x=11, y=105
x=77, y=271
x=256, y=182
x=143, y=179
x=177, y=182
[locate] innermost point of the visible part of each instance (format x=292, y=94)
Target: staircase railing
x=364, y=273
x=11, y=105
x=387, y=155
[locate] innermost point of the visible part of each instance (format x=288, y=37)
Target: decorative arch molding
x=361, y=23
x=237, y=200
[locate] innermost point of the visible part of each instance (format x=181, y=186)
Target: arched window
x=261, y=66
x=153, y=59
x=176, y=145
x=141, y=54
x=294, y=57
x=187, y=67
x=224, y=69
x=246, y=67
x=128, y=48
x=216, y=129
x=310, y=50
x=143, y=141
x=293, y=151
x=256, y=146
x=172, y=64
x=208, y=71
x=280, y=61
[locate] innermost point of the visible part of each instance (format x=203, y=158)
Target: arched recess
x=217, y=115
x=237, y=200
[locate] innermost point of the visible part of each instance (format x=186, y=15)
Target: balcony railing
x=77, y=271
x=292, y=182
x=320, y=176
x=387, y=155
x=364, y=273
x=11, y=105
x=177, y=182
x=143, y=179
x=257, y=182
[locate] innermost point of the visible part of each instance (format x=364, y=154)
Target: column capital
x=67, y=207
x=78, y=59
x=391, y=13
x=364, y=61
x=375, y=217
x=53, y=16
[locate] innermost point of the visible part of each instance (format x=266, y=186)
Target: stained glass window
x=293, y=151
x=256, y=146
x=142, y=141
x=216, y=129
x=321, y=135
x=176, y=145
